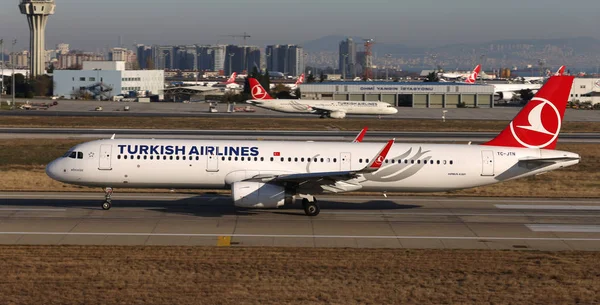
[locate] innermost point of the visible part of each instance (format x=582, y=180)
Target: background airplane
x=324, y=108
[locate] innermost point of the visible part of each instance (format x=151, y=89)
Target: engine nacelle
x=337, y=115
x=259, y=195
x=505, y=96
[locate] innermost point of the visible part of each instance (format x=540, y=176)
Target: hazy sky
x=90, y=25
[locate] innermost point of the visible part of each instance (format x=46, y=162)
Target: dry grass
x=307, y=123
x=196, y=275
x=22, y=165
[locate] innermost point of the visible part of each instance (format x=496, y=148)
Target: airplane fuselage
x=201, y=164
x=317, y=106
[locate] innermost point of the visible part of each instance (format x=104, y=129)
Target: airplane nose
x=53, y=170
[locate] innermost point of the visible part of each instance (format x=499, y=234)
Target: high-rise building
x=347, y=58
x=241, y=59
x=20, y=59
x=144, y=57
x=75, y=59
x=37, y=12
x=123, y=54
x=163, y=57
x=287, y=59
x=62, y=48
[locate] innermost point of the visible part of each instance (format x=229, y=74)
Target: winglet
x=376, y=163
x=361, y=135
x=113, y=136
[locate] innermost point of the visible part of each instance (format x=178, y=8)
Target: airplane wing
x=324, y=179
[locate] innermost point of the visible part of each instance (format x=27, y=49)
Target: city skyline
x=274, y=22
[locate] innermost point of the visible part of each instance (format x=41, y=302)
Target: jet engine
x=260, y=195
x=337, y=115
x=505, y=96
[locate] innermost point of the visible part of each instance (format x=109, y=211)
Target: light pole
x=230, y=59
x=12, y=63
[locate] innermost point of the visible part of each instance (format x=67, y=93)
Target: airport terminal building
x=106, y=79
x=405, y=94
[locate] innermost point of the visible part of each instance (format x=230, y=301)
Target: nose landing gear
x=107, y=204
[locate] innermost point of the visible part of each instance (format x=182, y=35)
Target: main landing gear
x=106, y=205
x=311, y=208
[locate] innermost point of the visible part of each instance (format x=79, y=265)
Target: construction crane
x=244, y=36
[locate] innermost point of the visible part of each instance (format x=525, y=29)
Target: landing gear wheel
x=305, y=202
x=106, y=205
x=107, y=200
x=311, y=208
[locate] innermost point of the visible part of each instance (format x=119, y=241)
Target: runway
x=10, y=133
x=345, y=221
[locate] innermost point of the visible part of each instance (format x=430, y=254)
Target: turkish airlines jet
x=270, y=174
x=469, y=78
x=298, y=82
x=324, y=108
x=507, y=92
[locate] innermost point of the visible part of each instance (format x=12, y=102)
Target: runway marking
x=301, y=236
x=224, y=241
x=564, y=228
x=547, y=207
x=34, y=209
x=460, y=214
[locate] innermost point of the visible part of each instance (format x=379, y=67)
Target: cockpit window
x=79, y=155
x=73, y=155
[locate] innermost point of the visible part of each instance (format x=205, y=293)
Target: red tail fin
x=537, y=125
x=300, y=79
x=257, y=90
x=473, y=77
x=231, y=79
x=560, y=71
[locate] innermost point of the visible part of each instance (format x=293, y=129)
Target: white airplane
x=298, y=82
x=470, y=78
x=229, y=83
x=507, y=92
x=531, y=79
x=324, y=108
x=269, y=174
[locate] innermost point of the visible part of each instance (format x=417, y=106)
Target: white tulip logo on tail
x=258, y=92
x=541, y=126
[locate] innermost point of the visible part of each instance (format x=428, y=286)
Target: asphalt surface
x=345, y=221
x=87, y=108
x=16, y=133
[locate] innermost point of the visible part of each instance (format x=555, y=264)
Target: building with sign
x=407, y=94
x=585, y=90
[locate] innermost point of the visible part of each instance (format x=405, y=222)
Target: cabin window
x=139, y=157
x=322, y=160
x=431, y=162
x=359, y=160
x=272, y=159
x=236, y=158
x=366, y=160
x=328, y=160
x=393, y=161
x=262, y=159
x=334, y=160
x=412, y=161
x=451, y=162
x=145, y=157
x=255, y=158
x=171, y=157
x=119, y=157
x=197, y=158
x=183, y=158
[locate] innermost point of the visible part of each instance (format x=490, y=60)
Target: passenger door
x=105, y=156
x=212, y=163
x=345, y=161
x=487, y=161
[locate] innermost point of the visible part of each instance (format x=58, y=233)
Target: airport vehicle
x=269, y=174
x=324, y=108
